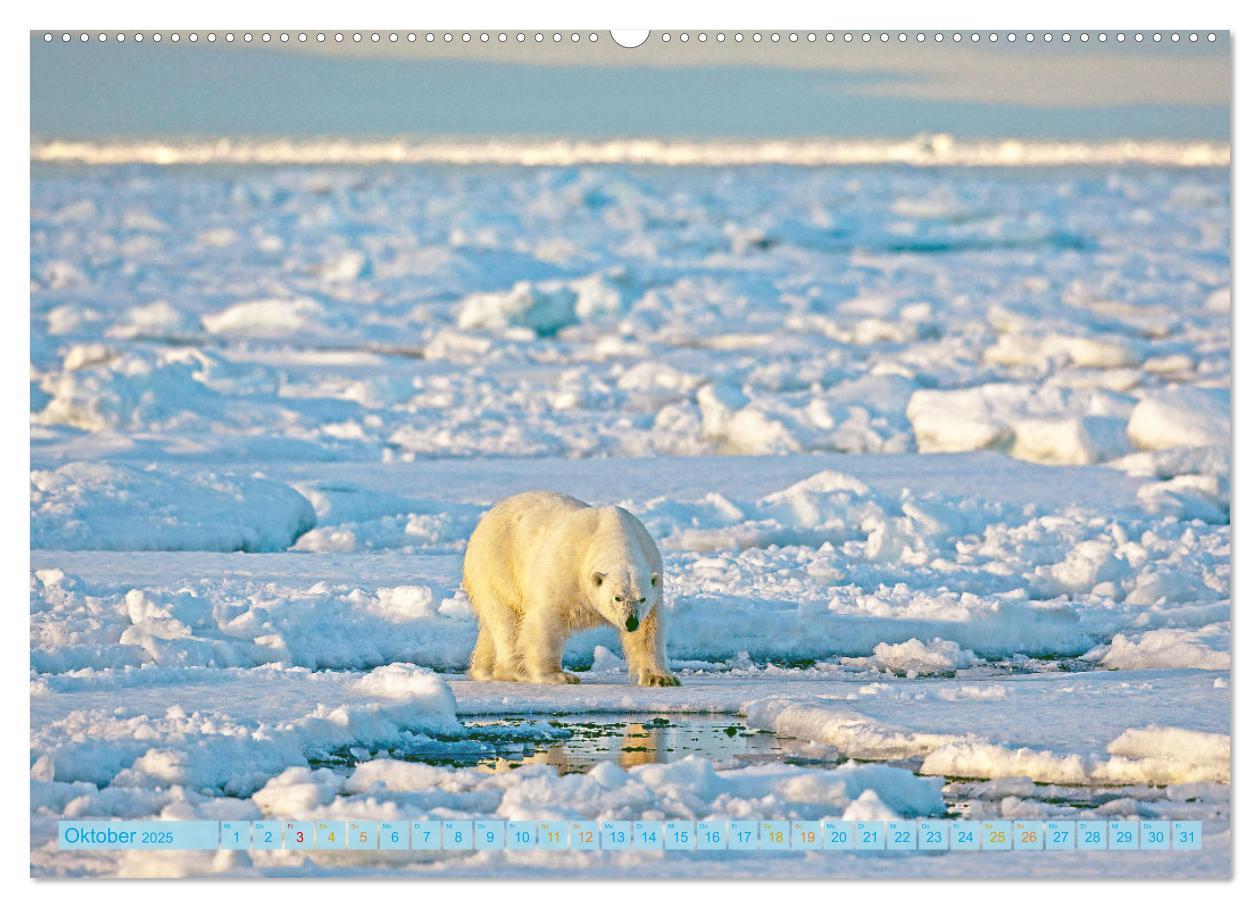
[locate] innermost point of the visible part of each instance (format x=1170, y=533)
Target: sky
x=1088, y=91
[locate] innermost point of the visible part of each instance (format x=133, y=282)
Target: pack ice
x=938, y=460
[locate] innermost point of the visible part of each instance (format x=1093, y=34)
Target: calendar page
x=630, y=454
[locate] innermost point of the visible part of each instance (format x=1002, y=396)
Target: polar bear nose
x=632, y=622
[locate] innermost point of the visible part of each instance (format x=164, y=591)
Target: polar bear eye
x=656, y=580
x=616, y=598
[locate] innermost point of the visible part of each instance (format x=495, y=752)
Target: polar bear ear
x=597, y=578
x=656, y=580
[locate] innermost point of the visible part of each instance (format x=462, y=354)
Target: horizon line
x=932, y=150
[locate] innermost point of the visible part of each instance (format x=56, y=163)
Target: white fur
x=541, y=566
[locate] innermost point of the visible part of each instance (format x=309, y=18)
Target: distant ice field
x=336, y=313
x=929, y=150
x=938, y=459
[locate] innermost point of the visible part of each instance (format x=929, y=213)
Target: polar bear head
x=625, y=594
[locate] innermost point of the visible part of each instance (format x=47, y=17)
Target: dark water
x=575, y=743
x=634, y=740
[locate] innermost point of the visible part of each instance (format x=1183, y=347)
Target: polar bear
x=541, y=566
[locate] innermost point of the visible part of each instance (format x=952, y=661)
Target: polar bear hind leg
x=481, y=665
x=495, y=656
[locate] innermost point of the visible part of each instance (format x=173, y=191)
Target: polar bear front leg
x=541, y=646
x=645, y=654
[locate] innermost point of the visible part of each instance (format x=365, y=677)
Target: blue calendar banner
x=615, y=835
x=267, y=835
x=299, y=835
x=869, y=835
x=933, y=835
x=553, y=835
x=1187, y=835
x=330, y=835
x=774, y=835
x=964, y=835
x=457, y=835
x=119, y=835
x=995, y=835
x=1029, y=835
x=234, y=835
x=584, y=835
x=743, y=835
x=426, y=835
x=680, y=835
x=711, y=835
x=1122, y=835
x=806, y=834
x=1060, y=835
x=649, y=834
x=1091, y=835
x=902, y=835
x=361, y=836
x=489, y=835
x=492, y=834
x=838, y=835
x=395, y=836
x=522, y=835
x=1156, y=835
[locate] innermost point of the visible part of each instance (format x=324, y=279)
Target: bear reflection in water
x=641, y=741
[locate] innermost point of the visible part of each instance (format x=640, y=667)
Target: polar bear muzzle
x=632, y=622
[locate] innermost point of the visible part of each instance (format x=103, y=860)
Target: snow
x=827, y=566
x=224, y=752
x=269, y=319
x=214, y=746
x=689, y=788
x=400, y=681
x=105, y=507
x=544, y=308
x=968, y=760
x=158, y=320
x=1206, y=648
x=914, y=658
x=938, y=460
x=1046, y=425
x=100, y=389
x=1150, y=755
x=1181, y=417
x=1083, y=439
x=548, y=292
x=854, y=734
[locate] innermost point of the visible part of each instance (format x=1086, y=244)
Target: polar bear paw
x=655, y=679
x=557, y=678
